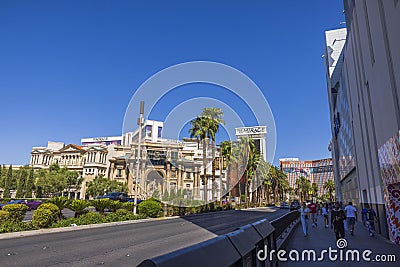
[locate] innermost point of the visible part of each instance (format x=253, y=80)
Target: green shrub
x=8, y=227
x=5, y=200
x=101, y=204
x=123, y=215
x=45, y=215
x=150, y=208
x=79, y=206
x=16, y=212
x=90, y=218
x=62, y=203
x=64, y=223
x=4, y=216
x=114, y=205
x=113, y=217
x=122, y=212
x=128, y=206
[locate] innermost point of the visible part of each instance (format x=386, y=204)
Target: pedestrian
x=337, y=220
x=313, y=213
x=364, y=214
x=371, y=219
x=324, y=211
x=304, y=215
x=351, y=217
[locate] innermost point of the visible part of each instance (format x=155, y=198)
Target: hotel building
x=164, y=164
x=363, y=78
x=316, y=171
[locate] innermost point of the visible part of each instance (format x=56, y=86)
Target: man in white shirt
x=351, y=216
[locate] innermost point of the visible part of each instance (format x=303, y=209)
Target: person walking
x=337, y=220
x=351, y=217
x=364, y=214
x=313, y=213
x=304, y=215
x=324, y=212
x=371, y=219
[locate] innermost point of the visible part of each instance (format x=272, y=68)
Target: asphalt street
x=125, y=245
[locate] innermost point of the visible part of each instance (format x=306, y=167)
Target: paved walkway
x=321, y=238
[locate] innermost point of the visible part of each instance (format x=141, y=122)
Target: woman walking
x=304, y=215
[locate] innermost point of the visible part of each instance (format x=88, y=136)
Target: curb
x=77, y=228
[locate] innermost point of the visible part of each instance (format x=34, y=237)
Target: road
x=125, y=245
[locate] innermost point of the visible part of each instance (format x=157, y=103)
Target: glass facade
x=343, y=132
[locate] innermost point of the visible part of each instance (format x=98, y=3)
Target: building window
x=148, y=131
x=159, y=132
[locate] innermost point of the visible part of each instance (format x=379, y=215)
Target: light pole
x=140, y=123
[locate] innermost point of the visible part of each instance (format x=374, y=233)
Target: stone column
x=181, y=173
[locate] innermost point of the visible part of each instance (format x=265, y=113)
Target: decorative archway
x=155, y=181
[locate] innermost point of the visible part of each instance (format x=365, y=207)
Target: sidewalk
x=321, y=238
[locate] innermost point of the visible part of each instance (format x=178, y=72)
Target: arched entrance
x=154, y=182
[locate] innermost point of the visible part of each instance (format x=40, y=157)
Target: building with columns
x=164, y=164
x=90, y=161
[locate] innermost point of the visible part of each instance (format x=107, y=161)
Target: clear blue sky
x=69, y=68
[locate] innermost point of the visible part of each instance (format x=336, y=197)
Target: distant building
x=316, y=171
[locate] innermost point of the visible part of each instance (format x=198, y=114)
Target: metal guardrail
x=283, y=223
x=238, y=248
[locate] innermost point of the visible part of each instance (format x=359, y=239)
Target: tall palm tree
x=283, y=184
x=273, y=173
x=314, y=189
x=249, y=158
x=303, y=186
x=226, y=151
x=216, y=118
x=262, y=175
x=199, y=130
x=330, y=187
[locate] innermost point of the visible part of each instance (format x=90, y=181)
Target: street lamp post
x=140, y=123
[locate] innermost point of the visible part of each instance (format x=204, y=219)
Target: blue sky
x=68, y=69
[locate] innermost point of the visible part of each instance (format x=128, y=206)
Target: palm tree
x=252, y=164
x=200, y=130
x=249, y=162
x=61, y=202
x=283, y=184
x=226, y=152
x=314, y=189
x=273, y=174
x=262, y=174
x=330, y=187
x=303, y=185
x=216, y=118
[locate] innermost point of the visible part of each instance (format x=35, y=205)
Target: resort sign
x=256, y=130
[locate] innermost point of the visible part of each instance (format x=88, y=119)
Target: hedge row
x=96, y=218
